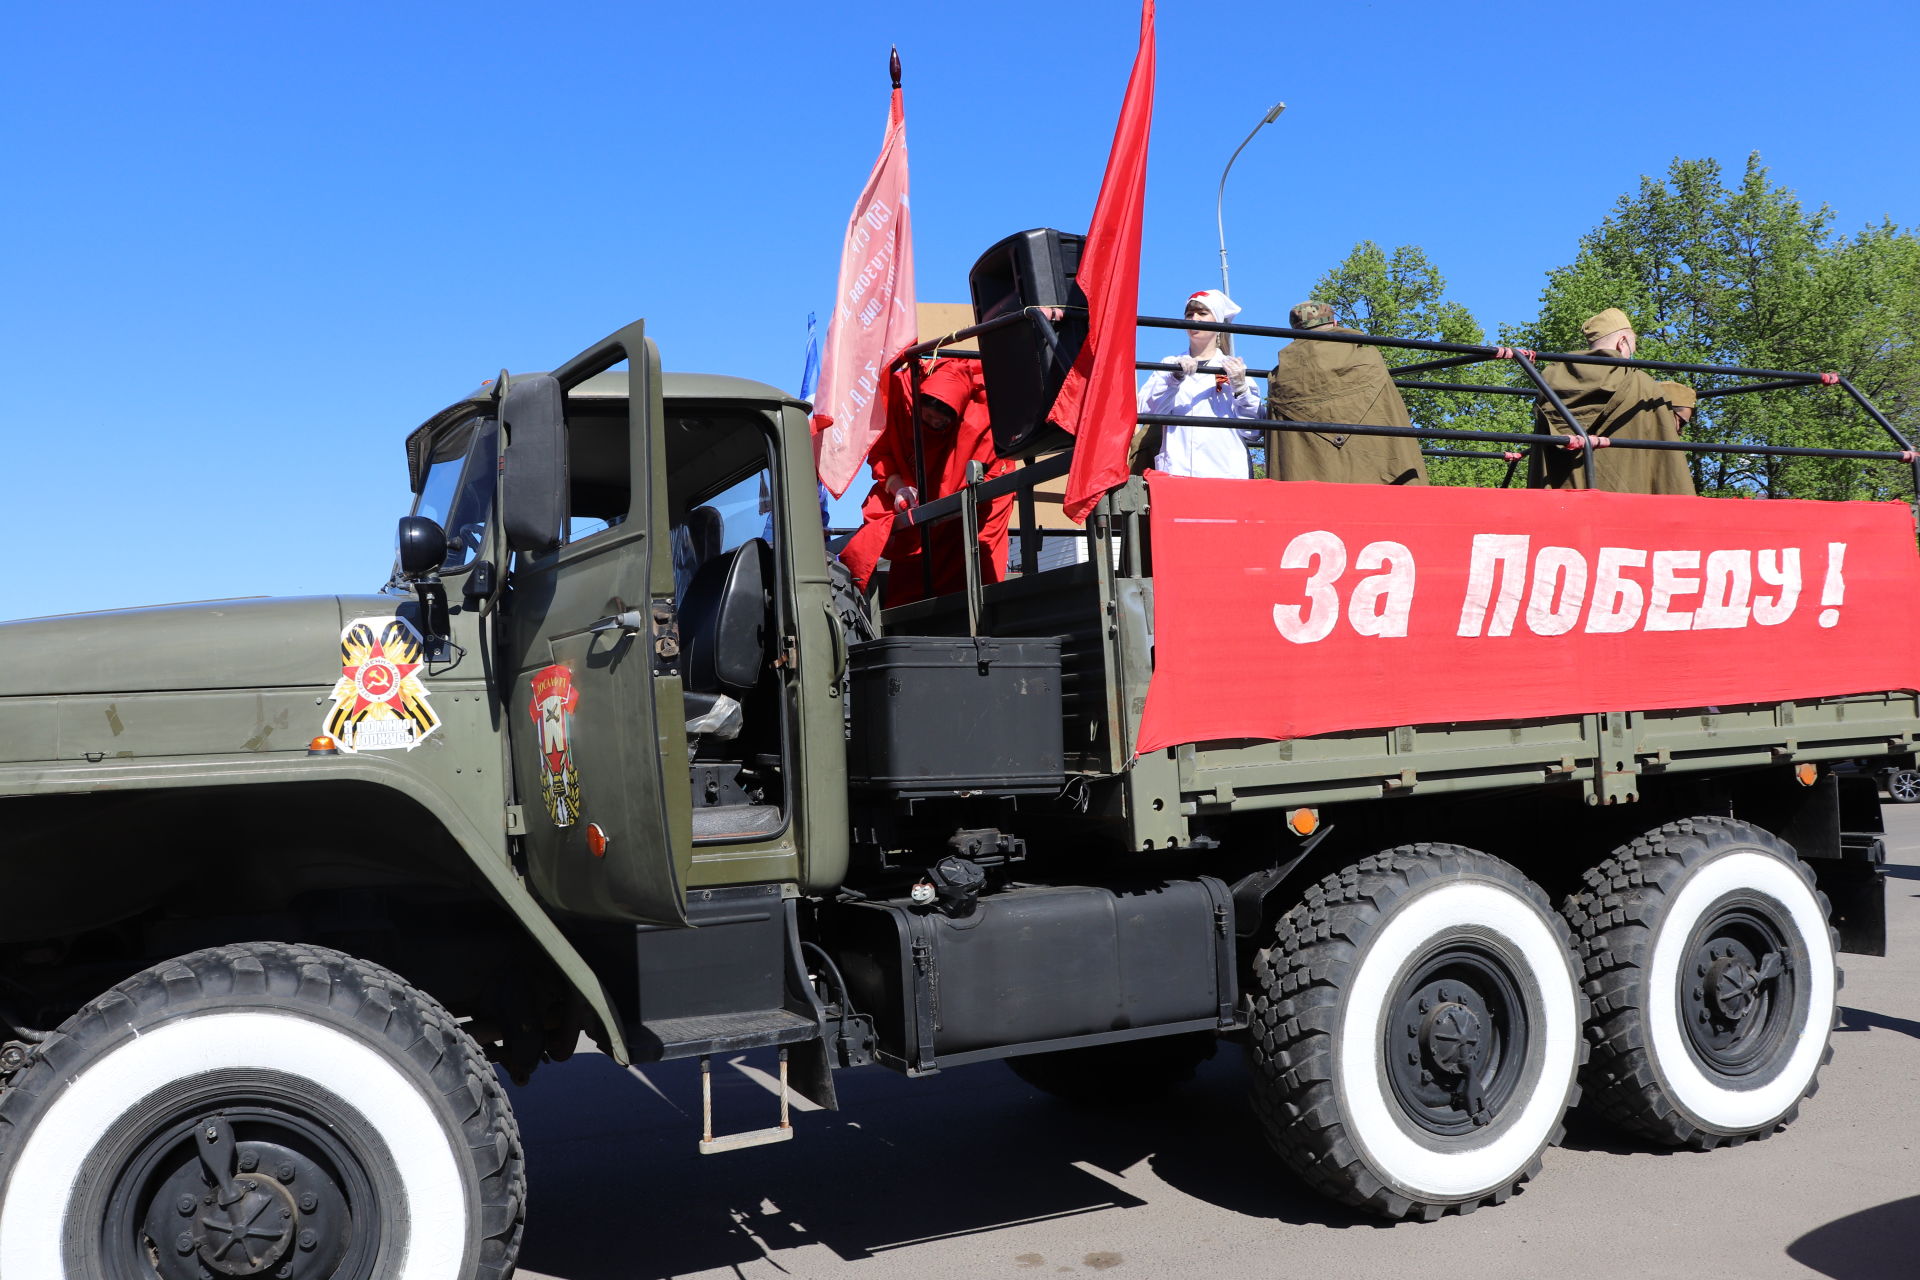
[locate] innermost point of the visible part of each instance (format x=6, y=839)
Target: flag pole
x=873, y=314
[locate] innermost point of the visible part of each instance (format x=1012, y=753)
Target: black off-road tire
x=1677, y=901
x=1374, y=1116
x=333, y=1074
x=1112, y=1075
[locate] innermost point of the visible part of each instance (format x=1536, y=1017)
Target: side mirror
x=423, y=546
x=533, y=471
x=423, y=549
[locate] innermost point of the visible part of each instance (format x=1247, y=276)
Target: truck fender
x=487, y=851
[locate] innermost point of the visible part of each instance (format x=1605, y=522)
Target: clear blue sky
x=248, y=247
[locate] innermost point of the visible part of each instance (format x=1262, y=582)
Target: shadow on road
x=1870, y=1245
x=1587, y=1131
x=1903, y=872
x=617, y=1190
x=1867, y=1020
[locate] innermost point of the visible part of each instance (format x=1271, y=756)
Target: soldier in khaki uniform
x=1669, y=471
x=1338, y=382
x=1613, y=401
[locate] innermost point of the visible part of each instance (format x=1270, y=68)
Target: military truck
x=614, y=756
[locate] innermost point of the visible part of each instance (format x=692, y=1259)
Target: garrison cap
x=1678, y=394
x=1310, y=315
x=1612, y=320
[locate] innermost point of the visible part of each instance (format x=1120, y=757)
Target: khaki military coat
x=1339, y=382
x=1620, y=403
x=1669, y=470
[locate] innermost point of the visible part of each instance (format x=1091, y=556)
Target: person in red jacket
x=954, y=430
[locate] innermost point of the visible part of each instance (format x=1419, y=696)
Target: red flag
x=873, y=314
x=1096, y=401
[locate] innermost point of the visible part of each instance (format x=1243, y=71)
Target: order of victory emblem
x=552, y=704
x=380, y=701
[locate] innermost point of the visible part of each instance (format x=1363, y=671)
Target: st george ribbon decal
x=554, y=698
x=1287, y=609
x=380, y=701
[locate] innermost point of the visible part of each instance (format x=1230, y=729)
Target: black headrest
x=724, y=619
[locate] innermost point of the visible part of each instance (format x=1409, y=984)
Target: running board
x=712, y=1146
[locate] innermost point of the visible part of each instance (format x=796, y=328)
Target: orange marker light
x=322, y=746
x=1303, y=822
x=596, y=840
x=1807, y=773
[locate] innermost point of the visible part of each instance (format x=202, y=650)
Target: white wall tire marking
x=1709, y=1100
x=33, y=1211
x=1459, y=1171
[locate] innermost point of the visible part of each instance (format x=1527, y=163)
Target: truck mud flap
x=1856, y=887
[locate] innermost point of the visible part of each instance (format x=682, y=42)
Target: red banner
x=1289, y=609
x=873, y=316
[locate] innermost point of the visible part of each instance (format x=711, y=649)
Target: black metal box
x=1024, y=363
x=1041, y=967
x=935, y=715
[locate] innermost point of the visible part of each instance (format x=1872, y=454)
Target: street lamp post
x=1219, y=207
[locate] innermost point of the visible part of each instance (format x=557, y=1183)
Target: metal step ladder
x=712, y=1146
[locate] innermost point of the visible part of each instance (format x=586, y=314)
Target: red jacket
x=958, y=385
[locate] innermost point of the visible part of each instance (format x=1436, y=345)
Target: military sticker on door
x=554, y=698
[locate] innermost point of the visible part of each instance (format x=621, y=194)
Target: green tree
x=1711, y=272
x=1744, y=274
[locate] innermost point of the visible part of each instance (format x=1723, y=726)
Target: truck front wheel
x=1714, y=984
x=1416, y=1032
x=259, y=1110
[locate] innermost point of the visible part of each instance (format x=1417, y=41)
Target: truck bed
x=1103, y=611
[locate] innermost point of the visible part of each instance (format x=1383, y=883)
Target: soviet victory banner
x=1284, y=610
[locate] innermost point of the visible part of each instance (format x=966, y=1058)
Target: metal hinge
x=665, y=638
x=789, y=654
x=516, y=821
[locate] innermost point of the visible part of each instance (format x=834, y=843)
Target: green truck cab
x=613, y=755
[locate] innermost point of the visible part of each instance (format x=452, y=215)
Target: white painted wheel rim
x=1462, y=1169
x=1709, y=1099
x=33, y=1211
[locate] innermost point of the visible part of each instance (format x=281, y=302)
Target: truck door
x=596, y=718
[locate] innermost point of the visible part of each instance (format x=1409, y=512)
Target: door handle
x=839, y=634
x=628, y=622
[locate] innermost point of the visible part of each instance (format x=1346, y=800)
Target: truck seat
x=724, y=621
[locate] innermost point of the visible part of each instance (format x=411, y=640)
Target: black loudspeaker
x=1024, y=363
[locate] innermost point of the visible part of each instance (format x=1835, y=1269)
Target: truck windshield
x=458, y=490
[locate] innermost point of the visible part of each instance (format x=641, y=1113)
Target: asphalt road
x=972, y=1173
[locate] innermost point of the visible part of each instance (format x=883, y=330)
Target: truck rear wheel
x=1416, y=1032
x=259, y=1110
x=1712, y=972
x=1111, y=1075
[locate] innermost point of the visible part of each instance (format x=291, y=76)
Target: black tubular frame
x=1450, y=355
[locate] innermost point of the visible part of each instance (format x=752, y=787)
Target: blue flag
x=810, y=371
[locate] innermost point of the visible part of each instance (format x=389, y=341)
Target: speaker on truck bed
x=1024, y=363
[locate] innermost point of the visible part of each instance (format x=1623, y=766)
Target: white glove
x=1187, y=365
x=905, y=497
x=1236, y=373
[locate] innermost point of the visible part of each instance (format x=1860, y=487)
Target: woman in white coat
x=1221, y=391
